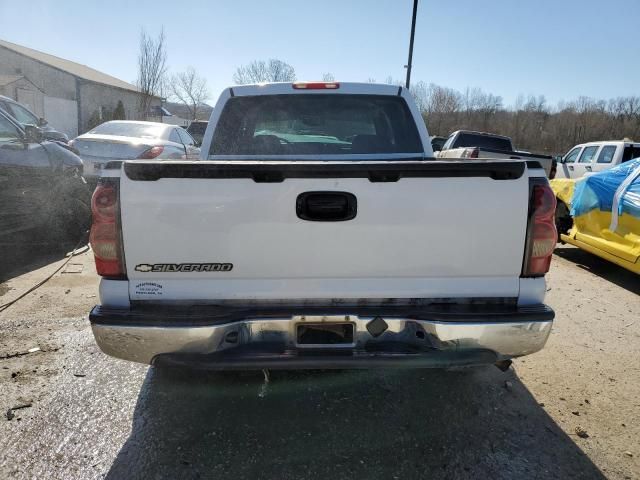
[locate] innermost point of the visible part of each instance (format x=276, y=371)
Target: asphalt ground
x=569, y=411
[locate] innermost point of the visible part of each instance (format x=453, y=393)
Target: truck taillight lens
x=105, y=238
x=541, y=229
x=103, y=204
x=471, y=152
x=153, y=152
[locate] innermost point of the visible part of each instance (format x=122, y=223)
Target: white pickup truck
x=596, y=156
x=318, y=231
x=469, y=144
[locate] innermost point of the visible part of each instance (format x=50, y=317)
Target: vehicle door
x=193, y=152
x=584, y=163
x=25, y=174
x=605, y=157
x=567, y=168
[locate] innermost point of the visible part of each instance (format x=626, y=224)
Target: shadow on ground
x=350, y=424
x=24, y=252
x=598, y=266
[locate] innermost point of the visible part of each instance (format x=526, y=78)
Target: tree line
x=532, y=123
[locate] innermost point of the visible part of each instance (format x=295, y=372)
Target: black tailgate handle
x=326, y=206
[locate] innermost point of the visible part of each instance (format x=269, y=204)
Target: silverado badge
x=184, y=267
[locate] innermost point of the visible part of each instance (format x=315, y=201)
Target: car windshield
x=22, y=115
x=315, y=124
x=126, y=129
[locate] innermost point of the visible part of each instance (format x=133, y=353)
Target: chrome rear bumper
x=241, y=339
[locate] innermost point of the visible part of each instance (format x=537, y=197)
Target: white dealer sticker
x=149, y=289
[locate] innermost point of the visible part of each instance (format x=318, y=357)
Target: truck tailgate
x=207, y=231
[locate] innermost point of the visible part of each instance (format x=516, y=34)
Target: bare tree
x=328, y=77
x=531, y=122
x=259, y=71
x=152, y=69
x=190, y=89
x=444, y=105
x=391, y=81
x=420, y=92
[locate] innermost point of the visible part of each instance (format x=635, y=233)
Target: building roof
x=73, y=68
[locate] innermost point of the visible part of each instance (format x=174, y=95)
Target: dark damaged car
x=41, y=184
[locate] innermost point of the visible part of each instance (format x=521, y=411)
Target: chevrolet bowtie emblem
x=144, y=267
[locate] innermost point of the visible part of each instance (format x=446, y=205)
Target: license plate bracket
x=325, y=334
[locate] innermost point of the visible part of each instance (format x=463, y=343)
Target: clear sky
x=557, y=48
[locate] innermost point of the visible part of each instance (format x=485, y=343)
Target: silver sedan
x=129, y=140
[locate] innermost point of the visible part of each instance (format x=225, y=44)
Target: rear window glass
x=482, y=141
x=631, y=152
x=315, y=124
x=138, y=130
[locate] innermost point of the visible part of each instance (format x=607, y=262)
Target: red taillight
x=541, y=229
x=105, y=232
x=153, y=152
x=103, y=204
x=315, y=85
x=544, y=201
x=471, y=152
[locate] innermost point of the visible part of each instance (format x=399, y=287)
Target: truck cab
x=469, y=144
x=595, y=157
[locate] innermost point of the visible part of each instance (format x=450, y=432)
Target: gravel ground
x=570, y=411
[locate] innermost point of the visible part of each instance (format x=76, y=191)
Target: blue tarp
x=597, y=191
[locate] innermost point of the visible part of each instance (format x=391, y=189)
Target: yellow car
x=600, y=213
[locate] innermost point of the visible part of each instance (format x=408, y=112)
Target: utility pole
x=413, y=31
